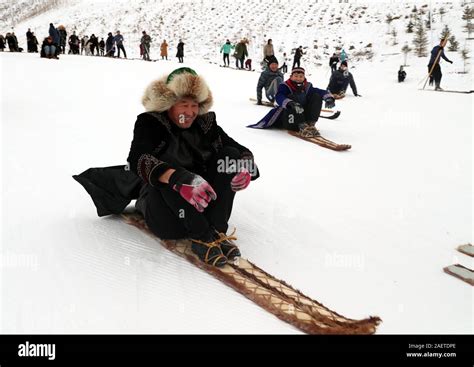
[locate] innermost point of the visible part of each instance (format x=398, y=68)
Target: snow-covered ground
x=366, y=232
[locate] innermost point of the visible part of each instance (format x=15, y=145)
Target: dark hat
x=344, y=63
x=297, y=70
x=272, y=60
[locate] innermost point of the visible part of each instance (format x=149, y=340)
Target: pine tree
x=468, y=15
x=445, y=32
x=394, y=35
x=406, y=49
x=465, y=57
x=453, y=44
x=441, y=13
x=389, y=20
x=428, y=21
x=420, y=41
x=410, y=26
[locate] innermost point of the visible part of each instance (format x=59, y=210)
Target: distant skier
x=34, y=42
x=436, y=74
x=226, y=48
x=269, y=80
x=333, y=60
x=340, y=80
x=297, y=58
x=2, y=43
x=102, y=46
x=55, y=36
x=29, y=37
x=74, y=43
x=118, y=39
x=94, y=44
x=12, y=42
x=145, y=43
x=110, y=45
x=401, y=74
x=241, y=53
x=268, y=51
x=164, y=50
x=186, y=169
x=62, y=39
x=180, y=51
x=284, y=67
x=343, y=56
x=299, y=106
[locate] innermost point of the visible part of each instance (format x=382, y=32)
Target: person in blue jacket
x=299, y=106
x=436, y=73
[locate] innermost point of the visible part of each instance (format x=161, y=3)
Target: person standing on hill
x=164, y=50
x=241, y=53
x=333, y=60
x=145, y=43
x=297, y=59
x=180, y=52
x=268, y=51
x=434, y=67
x=119, y=42
x=225, y=51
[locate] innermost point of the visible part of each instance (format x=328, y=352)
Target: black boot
x=208, y=250
x=229, y=248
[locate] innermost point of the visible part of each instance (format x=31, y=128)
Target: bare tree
x=442, y=11
x=406, y=50
x=389, y=20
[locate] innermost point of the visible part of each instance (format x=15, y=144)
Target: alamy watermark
x=12, y=260
x=230, y=165
x=335, y=260
x=37, y=350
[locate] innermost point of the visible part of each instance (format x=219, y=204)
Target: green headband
x=180, y=71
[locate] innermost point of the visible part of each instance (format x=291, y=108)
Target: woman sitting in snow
x=189, y=169
x=299, y=106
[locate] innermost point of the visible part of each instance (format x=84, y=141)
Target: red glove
x=193, y=188
x=240, y=181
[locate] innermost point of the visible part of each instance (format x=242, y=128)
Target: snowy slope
x=366, y=232
x=205, y=25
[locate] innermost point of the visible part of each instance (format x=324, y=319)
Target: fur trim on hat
x=160, y=96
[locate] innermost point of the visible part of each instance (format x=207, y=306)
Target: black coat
x=333, y=59
x=340, y=80
x=180, y=52
x=155, y=148
x=158, y=145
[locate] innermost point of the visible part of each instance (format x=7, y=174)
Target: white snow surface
x=365, y=232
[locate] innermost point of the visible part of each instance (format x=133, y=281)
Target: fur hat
x=163, y=93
